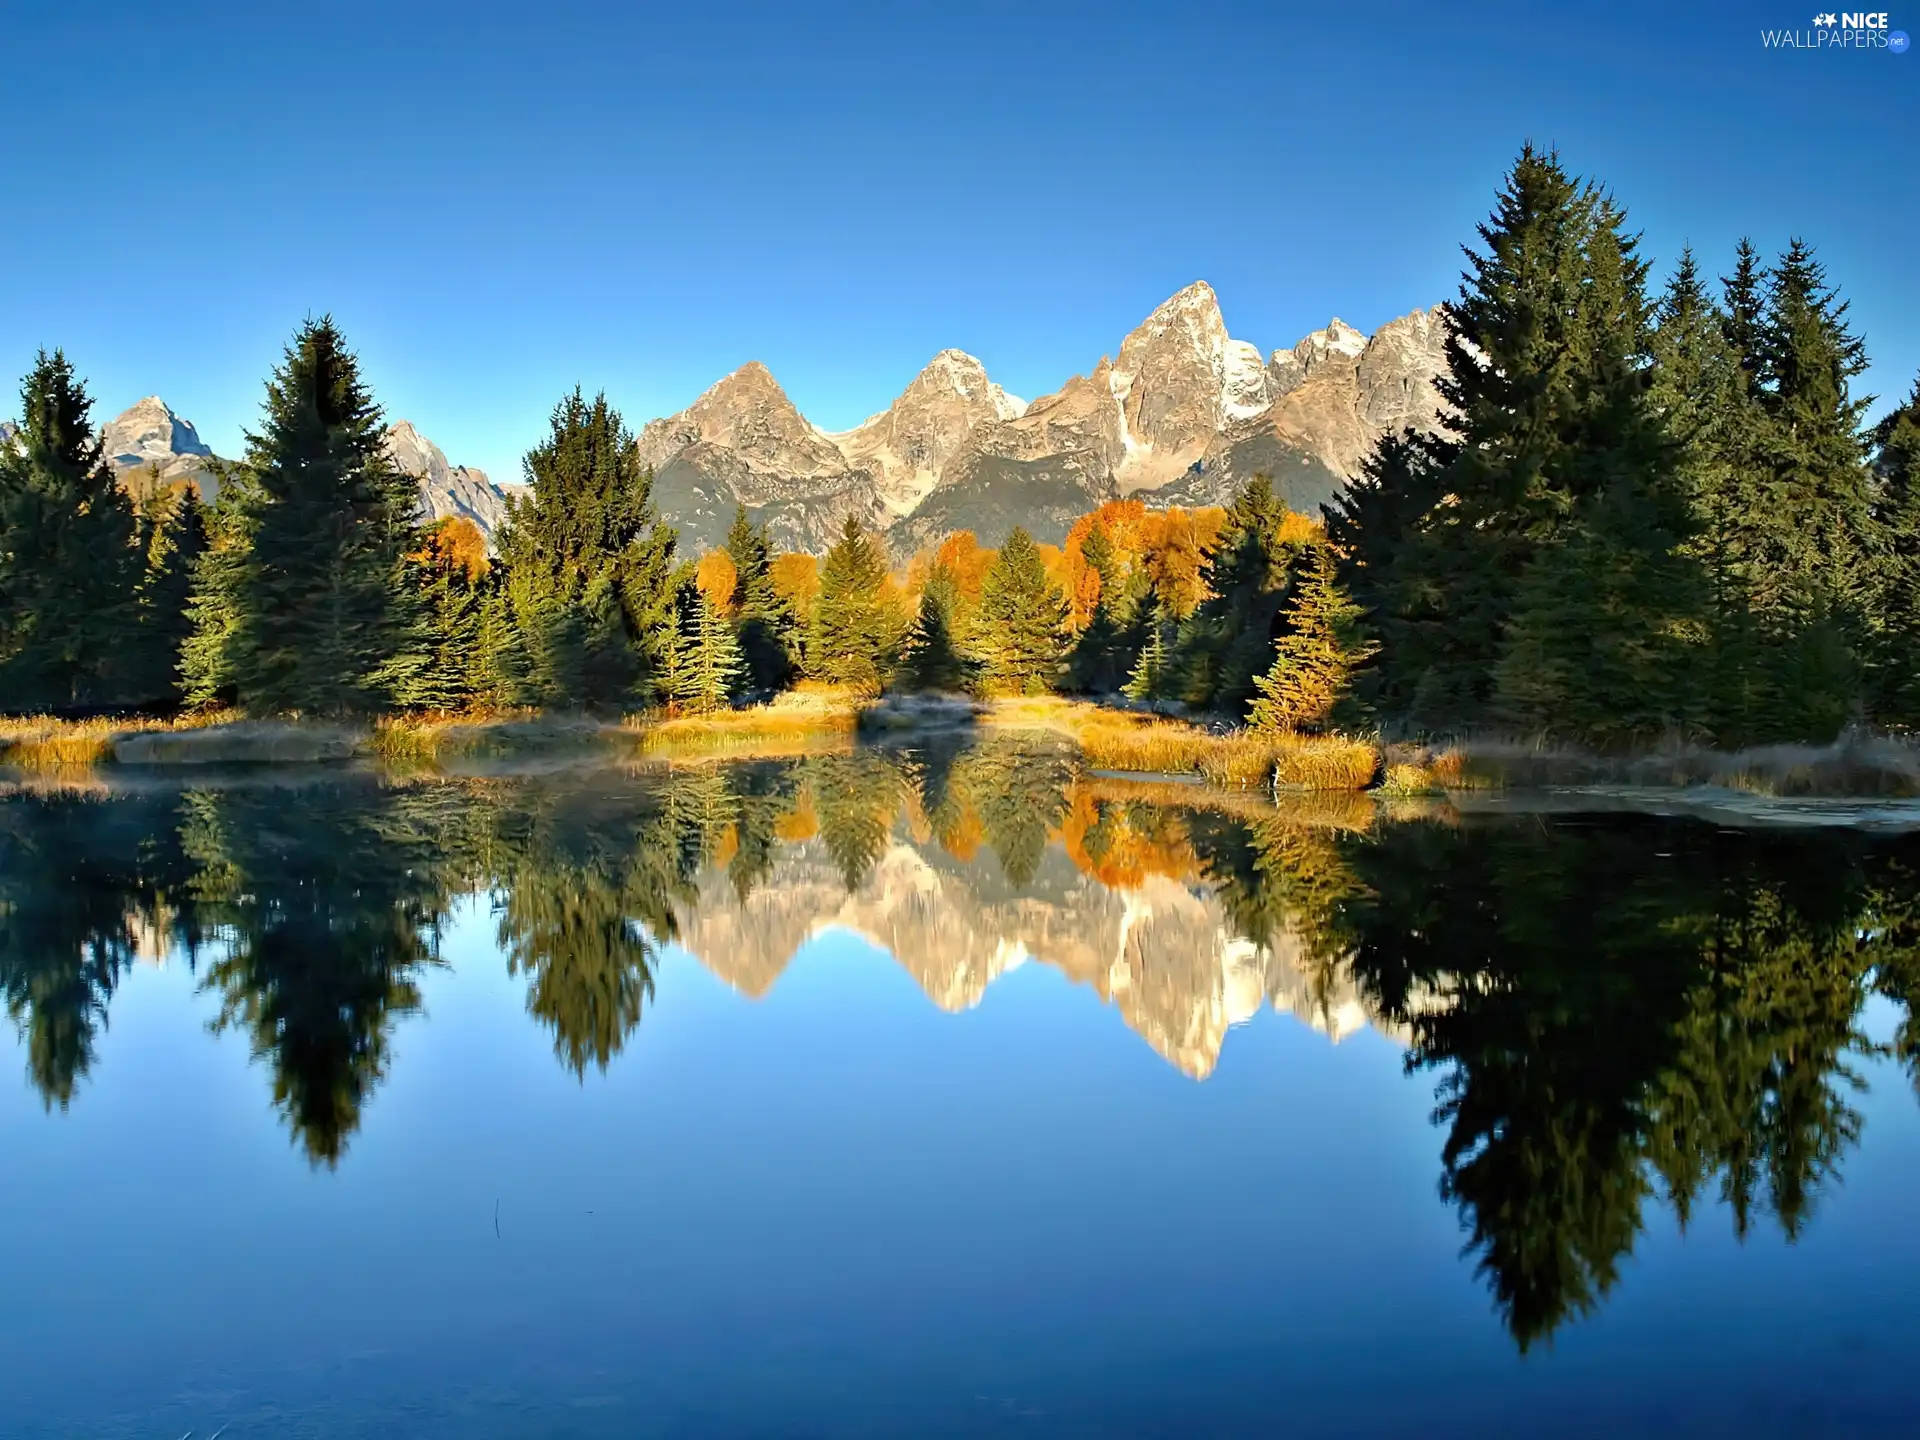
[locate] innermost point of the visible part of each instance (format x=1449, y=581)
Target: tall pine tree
x=1310, y=684
x=1020, y=637
x=1893, y=673
x=69, y=567
x=857, y=626
x=590, y=568
x=760, y=616
x=320, y=609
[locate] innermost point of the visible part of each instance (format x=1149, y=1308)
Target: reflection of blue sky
x=841, y=1205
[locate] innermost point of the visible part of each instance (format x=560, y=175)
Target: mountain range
x=1184, y=415
x=149, y=443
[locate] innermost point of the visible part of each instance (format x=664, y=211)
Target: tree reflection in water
x=1617, y=1011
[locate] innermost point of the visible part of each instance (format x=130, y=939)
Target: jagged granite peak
x=148, y=436
x=1184, y=414
x=446, y=490
x=749, y=414
x=908, y=444
x=1178, y=378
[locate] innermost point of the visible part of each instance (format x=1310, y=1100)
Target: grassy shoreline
x=815, y=720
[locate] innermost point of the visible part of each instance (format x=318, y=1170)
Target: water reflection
x=1615, y=1012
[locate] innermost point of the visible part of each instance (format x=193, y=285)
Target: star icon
x=1827, y=19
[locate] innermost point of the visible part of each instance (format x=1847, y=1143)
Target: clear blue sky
x=499, y=201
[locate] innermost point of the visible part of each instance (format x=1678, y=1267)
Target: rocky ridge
x=1183, y=415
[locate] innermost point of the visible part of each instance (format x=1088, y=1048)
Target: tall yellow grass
x=1125, y=740
x=42, y=742
x=807, y=720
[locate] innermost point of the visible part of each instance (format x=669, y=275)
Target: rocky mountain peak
x=747, y=413
x=148, y=437
x=908, y=444
x=446, y=490
x=1179, y=378
x=150, y=432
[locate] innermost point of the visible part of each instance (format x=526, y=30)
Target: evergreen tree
x=1547, y=582
x=208, y=659
x=758, y=612
x=1021, y=636
x=590, y=568
x=446, y=665
x=1225, y=644
x=1814, y=501
x=933, y=661
x=321, y=610
x=69, y=568
x=174, y=529
x=1375, y=530
x=1105, y=653
x=857, y=627
x=1148, y=679
x=1702, y=389
x=709, y=667
x=1894, y=654
x=1310, y=683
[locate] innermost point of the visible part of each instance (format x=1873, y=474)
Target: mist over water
x=943, y=1091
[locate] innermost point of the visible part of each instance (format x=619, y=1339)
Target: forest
x=1650, y=511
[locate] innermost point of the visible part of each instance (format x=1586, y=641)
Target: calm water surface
x=954, y=1093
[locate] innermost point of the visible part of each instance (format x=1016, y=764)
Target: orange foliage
x=726, y=847
x=1101, y=840
x=796, y=580
x=961, y=553
x=800, y=823
x=455, y=544
x=963, y=835
x=717, y=577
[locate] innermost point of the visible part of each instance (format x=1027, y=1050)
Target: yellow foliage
x=717, y=577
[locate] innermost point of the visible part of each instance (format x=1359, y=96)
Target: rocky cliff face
x=1185, y=415
x=151, y=437
x=1160, y=952
x=446, y=490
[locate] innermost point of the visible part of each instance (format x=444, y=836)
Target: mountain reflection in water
x=1613, y=1011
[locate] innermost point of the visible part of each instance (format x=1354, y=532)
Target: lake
x=953, y=1091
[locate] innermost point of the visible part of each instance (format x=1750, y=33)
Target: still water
x=944, y=1093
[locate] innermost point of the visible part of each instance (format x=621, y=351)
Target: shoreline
x=1877, y=776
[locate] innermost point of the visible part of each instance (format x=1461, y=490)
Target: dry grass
x=1236, y=759
x=41, y=742
x=427, y=738
x=807, y=720
x=1867, y=767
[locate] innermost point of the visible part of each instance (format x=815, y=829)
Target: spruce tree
x=1550, y=580
x=69, y=567
x=1813, y=570
x=1310, y=684
x=1147, y=681
x=761, y=618
x=709, y=667
x=322, y=610
x=1021, y=634
x=1605, y=631
x=1375, y=529
x=208, y=668
x=176, y=535
x=591, y=576
x=1225, y=644
x=857, y=628
x=1894, y=655
x=1701, y=387
x=933, y=661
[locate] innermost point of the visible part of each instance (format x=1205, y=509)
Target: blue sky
x=498, y=202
